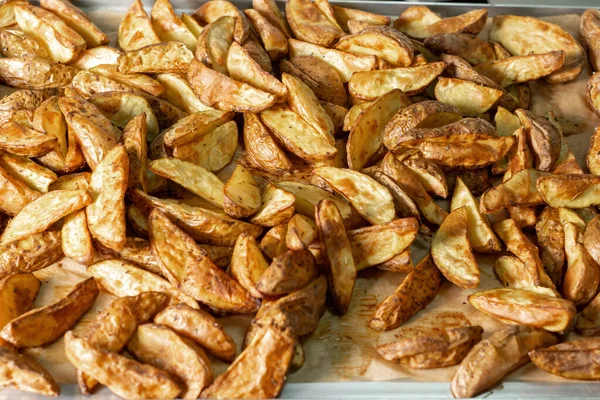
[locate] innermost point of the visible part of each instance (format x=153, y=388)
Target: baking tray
x=402, y=389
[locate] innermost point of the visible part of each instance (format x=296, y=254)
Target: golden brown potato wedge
x=551, y=240
x=20, y=372
x=156, y=58
x=430, y=175
x=41, y=213
x=261, y=147
x=17, y=292
x=223, y=93
x=23, y=141
x=179, y=93
x=62, y=43
x=519, y=69
x=519, y=190
x=366, y=242
x=214, y=43
x=194, y=127
x=14, y=43
x=417, y=290
x=366, y=137
x=47, y=324
x=168, y=26
x=527, y=35
x=516, y=306
x=479, y=231
x=345, y=64
x=470, y=47
x=372, y=200
x=341, y=264
x=272, y=38
x=545, y=139
x=76, y=238
x=258, y=54
x=308, y=23
x=136, y=251
x=259, y=371
x=354, y=113
x=101, y=55
x=452, y=253
x=392, y=46
x=108, y=184
x=301, y=232
x=14, y=194
x=369, y=85
x=134, y=141
x=108, y=368
x=589, y=29
x=135, y=30
x=192, y=177
x=512, y=274
x=470, y=98
x=23, y=101
x=123, y=279
x=287, y=273
x=202, y=224
x=184, y=360
x=137, y=81
x=297, y=135
x=87, y=83
x=215, y=9
x=77, y=21
x=432, y=348
x=344, y=15
x=27, y=171
x=270, y=10
x=582, y=276
x=248, y=264
x=420, y=22
x=34, y=252
x=7, y=13
x=571, y=360
x=572, y=191
x=241, y=194
x=493, y=358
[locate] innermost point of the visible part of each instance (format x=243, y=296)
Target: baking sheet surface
x=342, y=349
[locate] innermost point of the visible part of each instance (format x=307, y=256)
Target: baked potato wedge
x=14, y=43
x=31, y=253
x=301, y=232
x=589, y=29
x=415, y=292
x=17, y=292
x=76, y=20
x=310, y=24
x=178, y=92
x=212, y=10
x=270, y=10
x=520, y=69
x=138, y=81
x=136, y=251
x=35, y=176
x=23, y=141
x=134, y=141
x=76, y=238
x=273, y=39
x=242, y=67
x=470, y=98
x=35, y=73
x=14, y=194
x=278, y=206
x=168, y=26
x=512, y=274
x=241, y=194
x=431, y=176
x=214, y=43
x=551, y=241
x=135, y=29
x=468, y=46
x=571, y=360
x=392, y=46
x=101, y=55
x=156, y=58
x=572, y=191
x=287, y=273
x=519, y=190
x=420, y=22
x=248, y=264
x=47, y=324
x=20, y=372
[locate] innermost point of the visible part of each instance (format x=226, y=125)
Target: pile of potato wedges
x=252, y=161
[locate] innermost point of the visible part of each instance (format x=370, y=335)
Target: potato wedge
x=430, y=175
x=20, y=372
x=214, y=150
x=212, y=10
x=527, y=35
x=76, y=20
x=7, y=13
x=134, y=141
x=267, y=377
x=88, y=83
x=243, y=68
x=23, y=101
x=258, y=54
x=14, y=194
x=392, y=46
x=493, y=358
x=344, y=15
x=178, y=91
x=47, y=324
x=399, y=263
x=41, y=213
x=420, y=22
x=17, y=292
x=411, y=186
x=156, y=58
x=14, y=43
x=519, y=190
x=415, y=292
x=519, y=69
x=194, y=127
x=287, y=273
x=516, y=306
x=223, y=93
x=123, y=376
x=551, y=240
x=184, y=360
x=571, y=360
x=544, y=137
x=345, y=64
x=354, y=113
x=23, y=141
x=168, y=26
x=403, y=203
x=108, y=185
x=479, y=231
x=470, y=98
x=369, y=85
x=135, y=30
x=34, y=252
x=137, y=81
x=589, y=29
x=270, y=10
x=214, y=43
x=241, y=194
x=432, y=348
x=297, y=135
x=365, y=242
x=373, y=201
x=248, y=264
x=76, y=238
x=308, y=23
x=452, y=253
x=572, y=191
x=62, y=43
x=301, y=232
x=582, y=276
x=27, y=171
x=261, y=147
x=426, y=114
x=123, y=279
x=470, y=47
x=203, y=225
x=272, y=38
x=136, y=251
x=366, y=137
x=512, y=274
x=101, y=55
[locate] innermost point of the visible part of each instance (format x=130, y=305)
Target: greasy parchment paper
x=342, y=349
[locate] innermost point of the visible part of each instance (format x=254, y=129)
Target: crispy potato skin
x=589, y=30
x=31, y=253
x=287, y=273
x=47, y=324
x=417, y=290
x=551, y=239
x=572, y=360
x=492, y=358
x=19, y=372
x=259, y=371
x=309, y=24
x=17, y=294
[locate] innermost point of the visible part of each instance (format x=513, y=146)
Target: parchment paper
x=342, y=348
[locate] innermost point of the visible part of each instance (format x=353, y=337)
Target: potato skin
x=572, y=360
x=17, y=294
x=22, y=373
